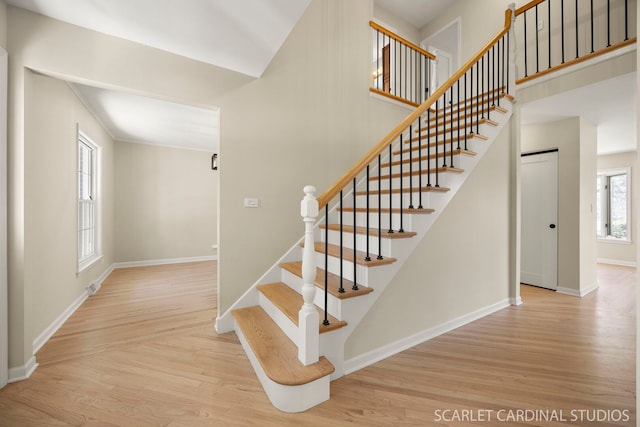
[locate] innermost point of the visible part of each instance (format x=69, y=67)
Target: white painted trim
x=578, y=293
x=617, y=262
x=578, y=66
x=42, y=339
x=389, y=350
x=163, y=261
x=21, y=373
x=515, y=301
x=391, y=101
x=288, y=398
x=4, y=309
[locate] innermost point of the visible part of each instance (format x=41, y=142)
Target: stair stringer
x=353, y=310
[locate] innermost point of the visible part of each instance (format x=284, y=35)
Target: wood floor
x=142, y=352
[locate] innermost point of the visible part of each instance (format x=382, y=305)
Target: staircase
x=382, y=209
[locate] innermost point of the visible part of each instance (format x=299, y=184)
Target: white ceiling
x=136, y=118
x=416, y=12
x=240, y=35
x=609, y=104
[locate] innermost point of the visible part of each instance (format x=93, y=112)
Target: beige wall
x=575, y=141
x=396, y=24
x=3, y=24
x=479, y=21
x=165, y=203
x=620, y=252
x=462, y=264
x=51, y=115
x=306, y=121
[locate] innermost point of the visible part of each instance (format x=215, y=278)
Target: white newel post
x=308, y=319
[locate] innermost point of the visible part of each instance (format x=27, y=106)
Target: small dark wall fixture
x=214, y=162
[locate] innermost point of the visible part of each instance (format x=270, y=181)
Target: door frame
x=557, y=213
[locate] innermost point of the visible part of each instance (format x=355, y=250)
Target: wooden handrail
x=401, y=39
x=530, y=5
x=341, y=183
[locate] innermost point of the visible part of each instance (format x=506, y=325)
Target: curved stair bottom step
x=290, y=385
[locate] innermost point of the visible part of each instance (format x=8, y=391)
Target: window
x=88, y=212
x=613, y=195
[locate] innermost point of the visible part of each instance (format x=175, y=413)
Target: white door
x=539, y=244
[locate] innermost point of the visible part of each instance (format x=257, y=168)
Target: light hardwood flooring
x=143, y=352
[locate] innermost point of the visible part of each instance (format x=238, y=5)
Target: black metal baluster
x=436, y=131
x=379, y=206
x=577, y=48
x=465, y=110
x=379, y=75
x=549, y=30
x=367, y=257
x=341, y=288
x=411, y=166
x=507, y=63
x=428, y=151
x=608, y=23
x=477, y=97
x=524, y=18
x=459, y=105
x=400, y=230
x=444, y=132
x=488, y=86
x=537, y=50
x=626, y=20
x=591, y=26
x=355, y=236
x=562, y=26
x=451, y=126
x=420, y=162
x=481, y=94
x=493, y=75
x=326, y=264
x=391, y=188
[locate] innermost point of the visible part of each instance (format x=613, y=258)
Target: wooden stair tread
x=277, y=354
x=372, y=231
x=474, y=98
x=348, y=255
x=461, y=108
x=442, y=169
x=333, y=281
x=409, y=211
x=436, y=130
x=431, y=157
x=407, y=190
x=289, y=302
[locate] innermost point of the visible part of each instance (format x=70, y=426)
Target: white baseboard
x=51, y=329
x=21, y=373
x=150, y=262
x=389, y=350
x=515, y=301
x=578, y=293
x=617, y=262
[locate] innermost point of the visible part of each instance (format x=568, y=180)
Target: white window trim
x=618, y=171
x=97, y=190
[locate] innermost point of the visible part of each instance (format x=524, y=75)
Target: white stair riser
x=410, y=182
x=347, y=268
x=361, y=243
x=459, y=161
x=333, y=303
x=287, y=326
x=395, y=200
x=361, y=220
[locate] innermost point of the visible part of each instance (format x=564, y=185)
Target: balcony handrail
x=401, y=39
x=372, y=155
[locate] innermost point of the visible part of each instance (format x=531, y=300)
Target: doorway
x=445, y=44
x=539, y=247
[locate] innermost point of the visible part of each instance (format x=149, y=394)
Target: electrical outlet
x=251, y=203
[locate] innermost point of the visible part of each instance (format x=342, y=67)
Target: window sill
x=614, y=240
x=88, y=263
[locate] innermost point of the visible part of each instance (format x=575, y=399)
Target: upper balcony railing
x=401, y=69
x=554, y=34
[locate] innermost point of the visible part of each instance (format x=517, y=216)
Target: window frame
x=95, y=198
x=603, y=204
